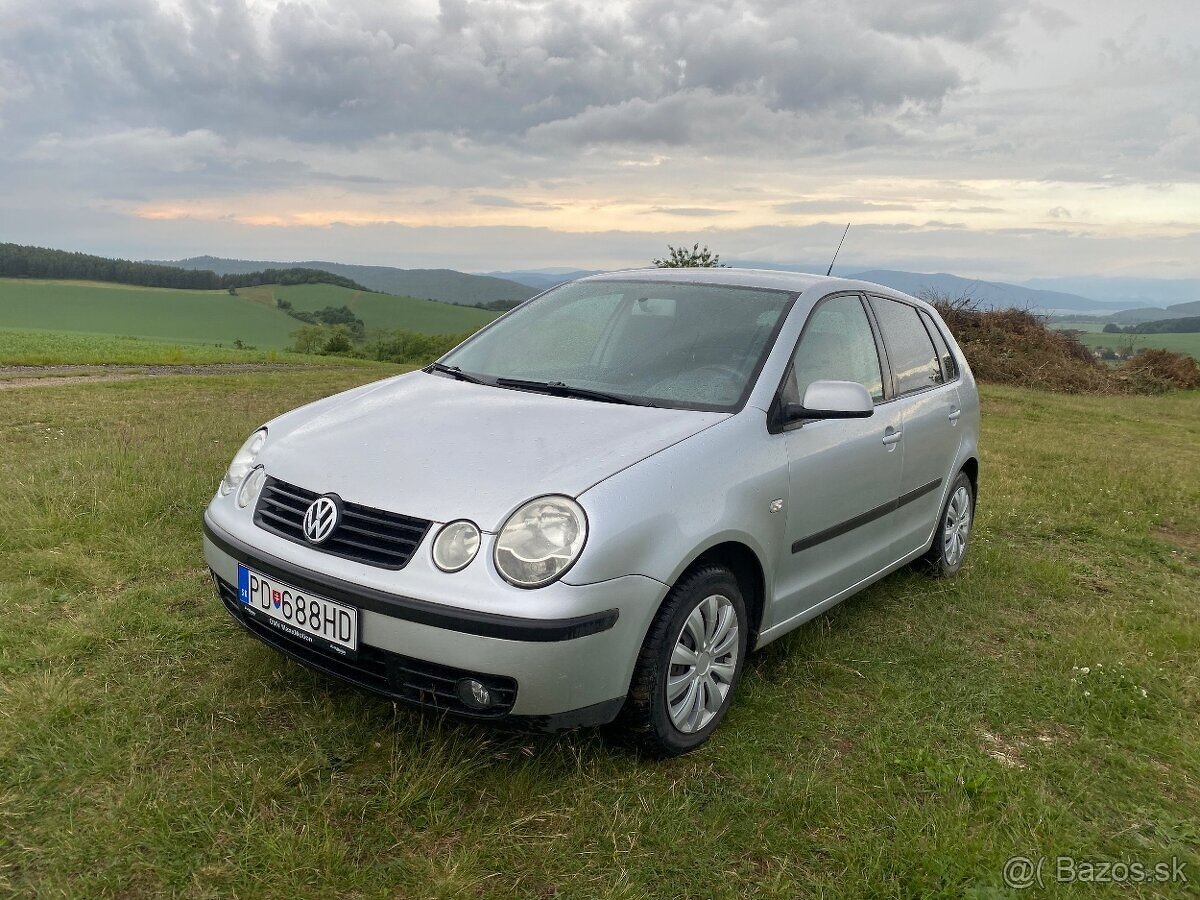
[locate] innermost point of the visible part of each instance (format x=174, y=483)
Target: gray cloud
x=824, y=207
x=499, y=202
x=968, y=21
x=691, y=211
x=396, y=107
x=334, y=73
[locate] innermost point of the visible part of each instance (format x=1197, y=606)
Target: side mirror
x=832, y=400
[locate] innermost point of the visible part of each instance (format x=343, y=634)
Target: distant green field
x=48, y=348
x=191, y=317
x=376, y=310
x=1095, y=337
x=1180, y=343
x=1077, y=326
x=210, y=317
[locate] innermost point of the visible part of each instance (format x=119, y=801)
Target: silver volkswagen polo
x=596, y=507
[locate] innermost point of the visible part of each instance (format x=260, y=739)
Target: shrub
x=1015, y=346
x=339, y=341
x=1170, y=370
x=401, y=346
x=323, y=339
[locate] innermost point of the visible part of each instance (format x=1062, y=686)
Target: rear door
x=929, y=405
x=843, y=473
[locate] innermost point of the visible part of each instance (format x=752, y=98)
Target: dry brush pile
x=1014, y=346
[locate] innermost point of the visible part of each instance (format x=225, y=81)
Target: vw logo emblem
x=321, y=518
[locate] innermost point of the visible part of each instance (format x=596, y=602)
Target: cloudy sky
x=992, y=138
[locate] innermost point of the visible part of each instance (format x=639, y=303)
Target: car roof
x=772, y=279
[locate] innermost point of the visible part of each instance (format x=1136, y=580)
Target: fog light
x=251, y=486
x=456, y=545
x=474, y=694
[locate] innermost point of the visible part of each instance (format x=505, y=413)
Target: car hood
x=437, y=448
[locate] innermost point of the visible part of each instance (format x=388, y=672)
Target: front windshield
x=660, y=343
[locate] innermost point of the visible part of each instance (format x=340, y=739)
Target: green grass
x=903, y=745
x=41, y=348
x=1067, y=325
x=1094, y=337
x=194, y=317
x=210, y=317
x=1180, y=343
x=377, y=310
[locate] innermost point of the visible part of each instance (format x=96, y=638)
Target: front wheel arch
x=747, y=568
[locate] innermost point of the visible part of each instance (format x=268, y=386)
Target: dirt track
x=14, y=377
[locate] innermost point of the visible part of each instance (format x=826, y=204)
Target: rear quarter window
x=949, y=366
x=910, y=349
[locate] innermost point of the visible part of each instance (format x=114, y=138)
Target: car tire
x=695, y=621
x=951, y=538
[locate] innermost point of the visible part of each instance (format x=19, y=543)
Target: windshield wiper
x=561, y=389
x=455, y=372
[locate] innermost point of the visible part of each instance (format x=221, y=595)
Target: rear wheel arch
x=971, y=467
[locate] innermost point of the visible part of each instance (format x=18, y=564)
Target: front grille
x=426, y=684
x=372, y=536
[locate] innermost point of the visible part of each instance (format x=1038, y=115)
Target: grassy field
x=193, y=317
x=377, y=310
x=1094, y=337
x=1045, y=702
x=210, y=317
x=42, y=348
x=1180, y=343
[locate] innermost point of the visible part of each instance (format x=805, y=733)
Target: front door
x=844, y=474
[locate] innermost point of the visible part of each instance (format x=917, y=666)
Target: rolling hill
x=993, y=293
x=540, y=279
x=1129, y=292
x=211, y=317
x=1155, y=313
x=376, y=310
x=989, y=293
x=445, y=285
x=193, y=317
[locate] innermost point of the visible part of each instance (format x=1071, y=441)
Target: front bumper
x=551, y=673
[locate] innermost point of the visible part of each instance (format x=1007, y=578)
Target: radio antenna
x=838, y=250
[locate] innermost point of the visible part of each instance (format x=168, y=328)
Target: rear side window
x=949, y=366
x=910, y=349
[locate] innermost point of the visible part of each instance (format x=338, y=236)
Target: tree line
x=1181, y=325
x=330, y=315
x=19, y=261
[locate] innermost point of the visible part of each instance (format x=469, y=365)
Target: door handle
x=954, y=414
x=892, y=437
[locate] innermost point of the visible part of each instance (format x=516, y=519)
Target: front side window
x=837, y=345
x=910, y=350
x=658, y=343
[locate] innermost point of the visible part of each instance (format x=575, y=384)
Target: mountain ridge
x=997, y=293
x=444, y=285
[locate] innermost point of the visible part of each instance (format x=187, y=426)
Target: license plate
x=319, y=623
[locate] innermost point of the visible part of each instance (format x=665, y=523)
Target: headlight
x=455, y=545
x=540, y=541
x=243, y=461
